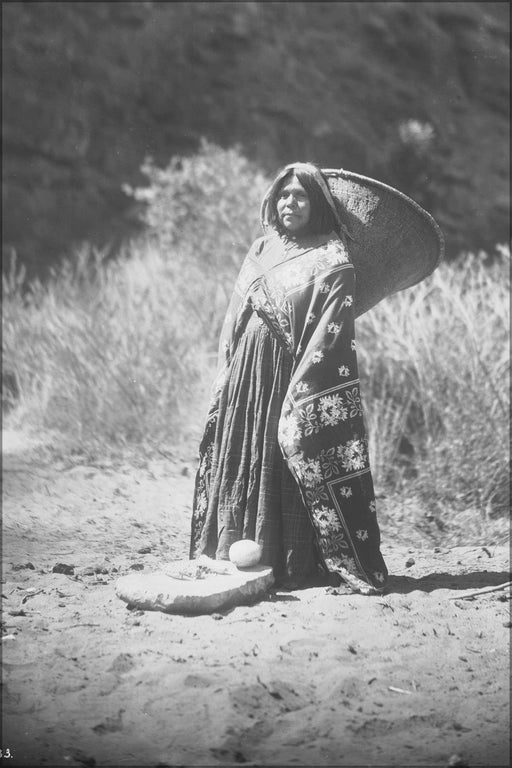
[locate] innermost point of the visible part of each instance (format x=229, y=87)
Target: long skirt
x=252, y=493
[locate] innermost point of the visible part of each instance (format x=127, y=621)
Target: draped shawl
x=304, y=291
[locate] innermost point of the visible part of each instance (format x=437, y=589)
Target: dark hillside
x=416, y=94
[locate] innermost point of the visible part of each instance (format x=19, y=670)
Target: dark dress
x=252, y=493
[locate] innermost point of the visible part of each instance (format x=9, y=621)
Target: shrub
x=202, y=213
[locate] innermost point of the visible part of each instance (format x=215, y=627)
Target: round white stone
x=245, y=553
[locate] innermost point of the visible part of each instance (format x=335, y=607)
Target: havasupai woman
x=284, y=456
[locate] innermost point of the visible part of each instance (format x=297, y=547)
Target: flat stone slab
x=195, y=586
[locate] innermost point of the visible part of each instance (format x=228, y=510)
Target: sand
x=418, y=676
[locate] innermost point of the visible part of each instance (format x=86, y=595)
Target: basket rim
x=369, y=182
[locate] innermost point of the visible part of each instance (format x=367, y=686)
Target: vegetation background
x=111, y=348
x=91, y=89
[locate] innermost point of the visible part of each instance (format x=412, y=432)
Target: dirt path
x=302, y=678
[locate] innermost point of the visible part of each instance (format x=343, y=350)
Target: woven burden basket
x=395, y=245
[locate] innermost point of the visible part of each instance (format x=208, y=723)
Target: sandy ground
x=419, y=676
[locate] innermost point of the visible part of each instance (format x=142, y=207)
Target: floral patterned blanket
x=305, y=293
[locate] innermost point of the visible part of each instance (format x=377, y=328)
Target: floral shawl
x=305, y=293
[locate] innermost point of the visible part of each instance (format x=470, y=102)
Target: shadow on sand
x=433, y=581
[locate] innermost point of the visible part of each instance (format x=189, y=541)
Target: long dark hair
x=322, y=218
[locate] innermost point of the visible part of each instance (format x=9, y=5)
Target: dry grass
x=434, y=364
x=104, y=354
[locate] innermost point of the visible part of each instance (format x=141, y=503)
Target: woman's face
x=293, y=206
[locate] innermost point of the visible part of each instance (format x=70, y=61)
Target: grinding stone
x=195, y=586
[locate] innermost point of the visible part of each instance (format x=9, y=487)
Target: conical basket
x=395, y=244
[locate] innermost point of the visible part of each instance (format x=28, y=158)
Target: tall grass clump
x=122, y=352
x=99, y=353
x=434, y=364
